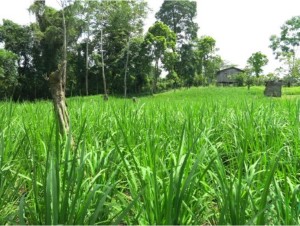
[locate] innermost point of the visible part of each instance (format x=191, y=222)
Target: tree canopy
x=160, y=43
x=256, y=61
x=179, y=16
x=285, y=46
x=8, y=73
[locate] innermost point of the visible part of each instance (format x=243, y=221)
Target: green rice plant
x=167, y=179
x=66, y=195
x=195, y=156
x=236, y=193
x=9, y=191
x=286, y=201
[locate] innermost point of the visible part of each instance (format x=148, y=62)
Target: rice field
x=191, y=156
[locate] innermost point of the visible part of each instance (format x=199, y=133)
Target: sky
x=240, y=27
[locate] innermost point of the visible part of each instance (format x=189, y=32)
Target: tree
x=87, y=19
x=19, y=40
x=126, y=68
x=256, y=61
x=50, y=36
x=8, y=73
x=120, y=21
x=205, y=49
x=285, y=46
x=139, y=65
x=186, y=65
x=179, y=16
x=87, y=16
x=198, y=61
x=137, y=12
x=102, y=65
x=249, y=78
x=159, y=40
x=52, y=31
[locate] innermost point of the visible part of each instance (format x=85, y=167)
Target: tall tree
x=159, y=40
x=18, y=39
x=139, y=65
x=103, y=66
x=120, y=21
x=49, y=34
x=126, y=68
x=186, y=66
x=179, y=16
x=63, y=4
x=256, y=61
x=198, y=61
x=205, y=49
x=87, y=16
x=52, y=31
x=286, y=45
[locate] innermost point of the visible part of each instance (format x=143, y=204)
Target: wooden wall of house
x=224, y=76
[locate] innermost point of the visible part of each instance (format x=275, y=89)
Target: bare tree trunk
x=64, y=75
x=87, y=63
x=59, y=98
x=155, y=75
x=87, y=69
x=126, y=69
x=103, y=75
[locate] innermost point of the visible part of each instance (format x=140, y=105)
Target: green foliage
x=158, y=39
x=179, y=16
x=196, y=56
x=256, y=61
x=159, y=44
x=174, y=80
x=198, y=62
x=49, y=35
x=138, y=65
x=249, y=81
x=271, y=77
x=171, y=43
x=239, y=79
x=288, y=40
x=121, y=21
x=246, y=78
x=207, y=63
x=186, y=67
x=8, y=73
x=286, y=45
x=17, y=39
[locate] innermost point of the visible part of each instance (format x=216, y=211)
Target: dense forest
x=107, y=46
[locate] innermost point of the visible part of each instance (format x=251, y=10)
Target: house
x=224, y=77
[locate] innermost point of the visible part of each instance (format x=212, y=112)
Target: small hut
x=273, y=88
x=225, y=76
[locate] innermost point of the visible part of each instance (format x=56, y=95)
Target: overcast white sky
x=240, y=27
